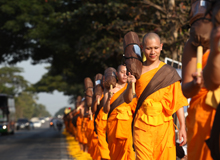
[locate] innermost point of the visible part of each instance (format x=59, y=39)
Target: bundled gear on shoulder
x=201, y=22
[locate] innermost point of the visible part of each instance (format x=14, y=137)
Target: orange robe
x=119, y=129
x=79, y=129
x=199, y=123
x=66, y=124
x=75, y=128
x=101, y=124
x=92, y=141
x=76, y=133
x=153, y=130
x=84, y=130
x=71, y=127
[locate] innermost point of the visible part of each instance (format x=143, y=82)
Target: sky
x=33, y=73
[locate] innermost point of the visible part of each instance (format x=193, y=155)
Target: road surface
x=43, y=143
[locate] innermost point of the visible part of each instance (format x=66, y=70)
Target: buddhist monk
x=211, y=76
x=79, y=125
x=85, y=121
x=70, y=123
x=211, y=70
x=76, y=115
x=74, y=121
x=200, y=114
x=119, y=133
x=159, y=96
x=100, y=128
x=92, y=138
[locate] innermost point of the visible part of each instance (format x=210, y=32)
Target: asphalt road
x=43, y=143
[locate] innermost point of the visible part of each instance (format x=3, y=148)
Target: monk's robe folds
x=71, y=127
x=101, y=124
x=119, y=130
x=75, y=128
x=92, y=141
x=84, y=129
x=199, y=123
x=154, y=133
x=79, y=129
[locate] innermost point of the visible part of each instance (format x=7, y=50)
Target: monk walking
x=119, y=133
x=212, y=82
x=159, y=96
x=100, y=127
x=200, y=114
x=79, y=125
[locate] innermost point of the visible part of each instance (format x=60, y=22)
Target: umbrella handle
x=199, y=60
x=91, y=112
x=111, y=89
x=133, y=88
x=98, y=101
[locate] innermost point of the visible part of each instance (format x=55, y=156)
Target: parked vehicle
x=7, y=114
x=37, y=124
x=42, y=120
x=23, y=123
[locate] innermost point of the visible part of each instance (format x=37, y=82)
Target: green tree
x=25, y=105
x=40, y=111
x=82, y=38
x=11, y=82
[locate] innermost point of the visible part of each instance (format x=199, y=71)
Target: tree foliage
x=12, y=83
x=26, y=106
x=80, y=38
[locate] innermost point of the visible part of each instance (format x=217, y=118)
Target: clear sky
x=33, y=73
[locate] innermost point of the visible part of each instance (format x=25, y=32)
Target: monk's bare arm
x=81, y=112
x=189, y=87
x=211, y=72
x=106, y=107
x=182, y=131
x=128, y=94
x=94, y=106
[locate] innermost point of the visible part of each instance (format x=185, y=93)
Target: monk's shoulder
x=169, y=67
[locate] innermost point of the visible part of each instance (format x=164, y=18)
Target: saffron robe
x=119, y=129
x=153, y=130
x=92, y=140
x=101, y=125
x=199, y=123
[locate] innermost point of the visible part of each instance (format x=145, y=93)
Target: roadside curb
x=74, y=149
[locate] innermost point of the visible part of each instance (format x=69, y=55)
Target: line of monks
x=123, y=126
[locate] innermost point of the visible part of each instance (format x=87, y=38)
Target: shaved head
x=119, y=67
x=150, y=36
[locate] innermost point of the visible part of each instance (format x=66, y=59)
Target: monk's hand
x=90, y=112
x=214, y=40
x=198, y=80
x=131, y=78
x=78, y=108
x=98, y=97
x=182, y=136
x=110, y=94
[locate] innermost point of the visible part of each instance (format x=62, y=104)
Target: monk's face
x=152, y=48
x=121, y=74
